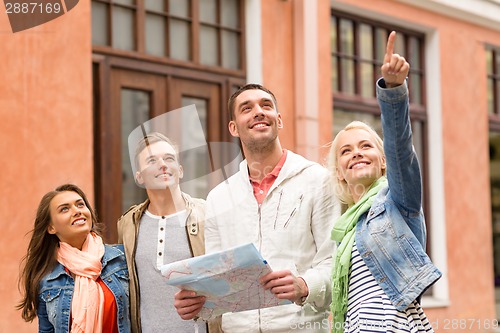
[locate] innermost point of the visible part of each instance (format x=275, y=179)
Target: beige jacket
x=128, y=228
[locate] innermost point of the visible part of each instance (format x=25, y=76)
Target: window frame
x=494, y=119
x=193, y=63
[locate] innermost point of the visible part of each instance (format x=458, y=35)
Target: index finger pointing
x=390, y=46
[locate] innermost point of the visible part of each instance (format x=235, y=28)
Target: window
x=493, y=69
x=493, y=76
x=151, y=57
x=358, y=49
x=200, y=32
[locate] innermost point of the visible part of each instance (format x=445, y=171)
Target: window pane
x=497, y=97
x=155, y=35
x=178, y=7
x=414, y=56
x=346, y=37
x=123, y=28
x=497, y=69
x=195, y=161
x=495, y=200
x=179, y=40
x=208, y=46
x=333, y=34
x=367, y=84
x=365, y=42
x=491, y=97
x=230, y=50
x=100, y=33
x=417, y=129
x=414, y=86
x=208, y=11
x=135, y=107
x=335, y=85
x=343, y=117
x=347, y=78
x=156, y=5
x=399, y=45
x=125, y=2
x=230, y=16
x=380, y=44
x=489, y=60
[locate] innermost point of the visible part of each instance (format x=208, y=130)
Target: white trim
x=440, y=292
x=306, y=77
x=437, y=239
x=253, y=37
x=485, y=13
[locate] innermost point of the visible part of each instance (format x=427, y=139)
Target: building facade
x=73, y=89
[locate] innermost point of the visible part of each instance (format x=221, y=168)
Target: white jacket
x=291, y=229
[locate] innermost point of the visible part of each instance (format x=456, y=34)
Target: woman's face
x=71, y=220
x=359, y=161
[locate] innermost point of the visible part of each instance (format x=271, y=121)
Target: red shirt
x=109, y=320
x=260, y=189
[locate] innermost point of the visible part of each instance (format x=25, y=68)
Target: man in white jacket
x=281, y=202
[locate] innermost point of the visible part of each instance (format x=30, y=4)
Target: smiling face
x=256, y=120
x=159, y=167
x=70, y=218
x=359, y=161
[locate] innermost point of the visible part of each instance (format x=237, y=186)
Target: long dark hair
x=41, y=258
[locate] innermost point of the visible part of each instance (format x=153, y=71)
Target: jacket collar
x=294, y=164
x=110, y=253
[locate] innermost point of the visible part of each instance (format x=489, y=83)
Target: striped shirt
x=370, y=310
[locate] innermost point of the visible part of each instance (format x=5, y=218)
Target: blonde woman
x=380, y=268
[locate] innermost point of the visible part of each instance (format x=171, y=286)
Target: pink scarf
x=88, y=298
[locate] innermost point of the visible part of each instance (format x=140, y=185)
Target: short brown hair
x=148, y=140
x=249, y=86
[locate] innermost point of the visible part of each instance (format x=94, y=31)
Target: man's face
x=256, y=120
x=159, y=166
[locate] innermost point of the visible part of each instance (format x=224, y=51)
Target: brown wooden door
x=135, y=98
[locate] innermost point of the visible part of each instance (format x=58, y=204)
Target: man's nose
x=258, y=111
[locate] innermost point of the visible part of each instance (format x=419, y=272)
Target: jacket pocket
x=51, y=298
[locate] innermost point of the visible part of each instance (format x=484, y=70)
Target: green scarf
x=343, y=232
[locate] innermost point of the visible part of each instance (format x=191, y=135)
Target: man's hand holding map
x=228, y=279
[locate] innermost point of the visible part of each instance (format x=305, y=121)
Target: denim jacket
x=56, y=292
x=391, y=236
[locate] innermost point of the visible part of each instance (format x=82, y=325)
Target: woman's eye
x=64, y=209
x=81, y=204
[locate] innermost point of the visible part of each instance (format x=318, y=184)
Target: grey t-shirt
x=162, y=239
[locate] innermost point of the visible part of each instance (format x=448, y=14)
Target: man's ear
x=280, y=121
x=138, y=178
x=233, y=129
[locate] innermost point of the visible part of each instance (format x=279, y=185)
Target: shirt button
x=159, y=253
x=161, y=240
x=163, y=217
x=161, y=229
x=261, y=191
x=193, y=230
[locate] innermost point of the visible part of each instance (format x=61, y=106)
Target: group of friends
x=346, y=242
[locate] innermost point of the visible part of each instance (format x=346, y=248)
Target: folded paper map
x=229, y=279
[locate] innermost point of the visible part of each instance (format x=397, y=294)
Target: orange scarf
x=88, y=298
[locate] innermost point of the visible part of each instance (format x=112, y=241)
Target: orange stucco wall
x=280, y=75
x=46, y=132
x=466, y=162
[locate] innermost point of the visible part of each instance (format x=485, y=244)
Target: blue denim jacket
x=391, y=236
x=56, y=292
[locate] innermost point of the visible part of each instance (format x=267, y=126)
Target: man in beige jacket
x=167, y=227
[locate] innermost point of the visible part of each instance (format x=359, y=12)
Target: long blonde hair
x=340, y=187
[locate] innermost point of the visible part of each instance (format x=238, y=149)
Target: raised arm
x=403, y=170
